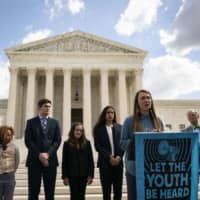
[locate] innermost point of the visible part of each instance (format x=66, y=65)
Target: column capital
x=87, y=71
x=67, y=70
x=122, y=71
x=138, y=71
x=49, y=70
x=31, y=70
x=13, y=69
x=104, y=70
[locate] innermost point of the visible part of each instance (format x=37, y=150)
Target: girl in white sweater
x=9, y=161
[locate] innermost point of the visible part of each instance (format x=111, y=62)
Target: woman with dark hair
x=9, y=161
x=106, y=140
x=77, y=162
x=144, y=119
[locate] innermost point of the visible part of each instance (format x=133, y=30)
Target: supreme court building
x=81, y=73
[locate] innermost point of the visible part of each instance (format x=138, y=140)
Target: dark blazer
x=38, y=141
x=77, y=162
x=188, y=129
x=102, y=144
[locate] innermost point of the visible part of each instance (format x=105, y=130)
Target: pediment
x=77, y=41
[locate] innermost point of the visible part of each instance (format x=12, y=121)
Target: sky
x=168, y=29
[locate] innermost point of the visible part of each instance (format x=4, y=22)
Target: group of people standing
x=111, y=141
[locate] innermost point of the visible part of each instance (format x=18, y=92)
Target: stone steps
x=67, y=197
x=93, y=191
x=64, y=190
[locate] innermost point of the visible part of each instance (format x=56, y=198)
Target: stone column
x=11, y=111
x=138, y=79
x=30, y=100
x=131, y=101
x=122, y=92
x=130, y=95
x=104, y=88
x=87, y=118
x=49, y=86
x=66, y=101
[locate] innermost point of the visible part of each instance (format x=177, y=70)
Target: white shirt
x=110, y=136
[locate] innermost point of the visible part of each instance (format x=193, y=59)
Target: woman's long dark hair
x=72, y=140
x=137, y=113
x=102, y=118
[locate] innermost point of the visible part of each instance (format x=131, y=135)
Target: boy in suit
x=42, y=139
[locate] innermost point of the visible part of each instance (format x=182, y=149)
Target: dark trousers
x=111, y=176
x=7, y=186
x=131, y=186
x=77, y=187
x=34, y=181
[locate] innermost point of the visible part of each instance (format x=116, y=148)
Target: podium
x=166, y=165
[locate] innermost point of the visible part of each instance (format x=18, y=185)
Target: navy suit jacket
x=102, y=144
x=37, y=142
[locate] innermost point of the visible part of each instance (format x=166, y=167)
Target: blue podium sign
x=166, y=166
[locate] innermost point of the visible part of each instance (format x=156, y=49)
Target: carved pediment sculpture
x=76, y=41
x=76, y=44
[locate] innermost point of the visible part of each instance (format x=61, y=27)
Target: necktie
x=44, y=123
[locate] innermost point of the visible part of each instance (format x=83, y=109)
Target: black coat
x=77, y=162
x=39, y=142
x=103, y=146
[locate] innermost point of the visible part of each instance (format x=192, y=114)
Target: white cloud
x=71, y=29
x=4, y=79
x=56, y=7
x=169, y=77
x=59, y=4
x=75, y=6
x=37, y=35
x=137, y=17
x=183, y=37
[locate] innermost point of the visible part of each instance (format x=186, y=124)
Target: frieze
x=76, y=44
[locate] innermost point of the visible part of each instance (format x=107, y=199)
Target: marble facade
x=81, y=73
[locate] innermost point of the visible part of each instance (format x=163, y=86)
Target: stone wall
x=172, y=112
